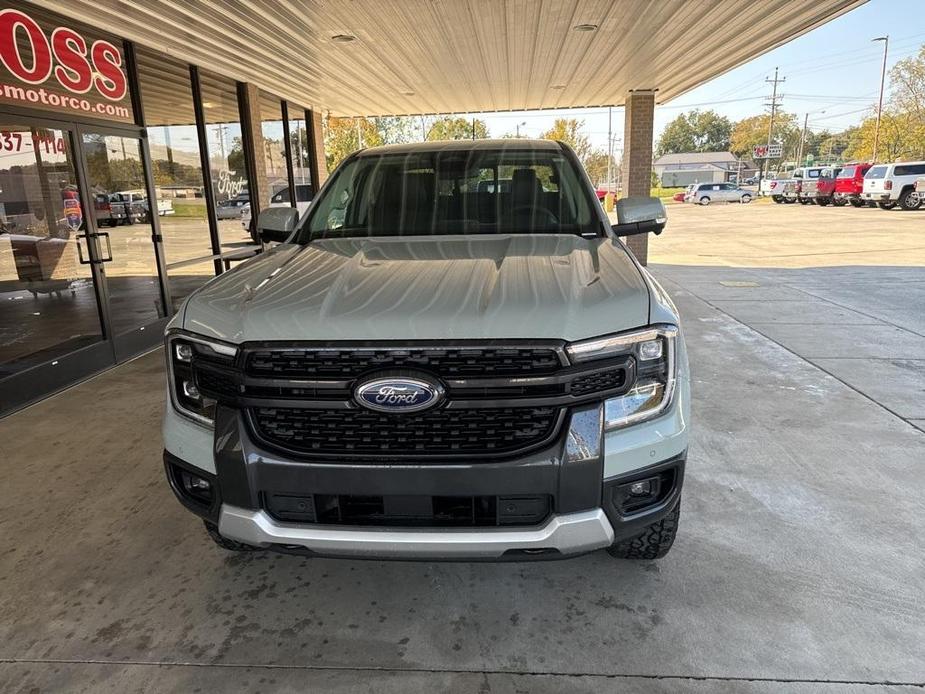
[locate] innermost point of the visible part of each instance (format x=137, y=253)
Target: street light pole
x=886, y=45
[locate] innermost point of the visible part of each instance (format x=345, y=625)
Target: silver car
x=705, y=193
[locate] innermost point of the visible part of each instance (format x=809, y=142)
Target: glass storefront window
x=171, y=125
x=273, y=149
x=301, y=172
x=225, y=144
x=48, y=303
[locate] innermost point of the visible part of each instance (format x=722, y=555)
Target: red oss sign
x=60, y=69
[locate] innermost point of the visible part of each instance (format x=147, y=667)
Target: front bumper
x=561, y=535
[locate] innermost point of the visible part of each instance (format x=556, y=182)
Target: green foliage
x=695, y=131
x=569, y=131
x=749, y=132
x=449, y=128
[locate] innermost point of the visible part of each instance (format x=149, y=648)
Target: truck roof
x=462, y=146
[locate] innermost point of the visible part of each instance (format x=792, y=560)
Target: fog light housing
x=641, y=488
x=196, y=487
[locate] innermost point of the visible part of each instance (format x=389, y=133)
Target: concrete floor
x=798, y=568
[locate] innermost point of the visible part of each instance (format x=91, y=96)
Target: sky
x=832, y=73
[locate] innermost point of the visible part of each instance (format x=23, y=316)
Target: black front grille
x=453, y=362
x=443, y=432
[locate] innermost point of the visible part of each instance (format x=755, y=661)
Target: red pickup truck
x=850, y=183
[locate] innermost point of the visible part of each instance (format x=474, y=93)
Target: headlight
x=654, y=351
x=183, y=351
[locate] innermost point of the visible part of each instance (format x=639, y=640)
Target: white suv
x=894, y=184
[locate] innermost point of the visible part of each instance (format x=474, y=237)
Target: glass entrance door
x=122, y=218
x=49, y=305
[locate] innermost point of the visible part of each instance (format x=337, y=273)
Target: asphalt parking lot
x=798, y=567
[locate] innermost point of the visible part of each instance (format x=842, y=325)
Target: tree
x=907, y=81
x=396, y=130
x=568, y=130
x=450, y=128
x=596, y=166
x=695, y=131
x=749, y=132
x=901, y=137
x=343, y=136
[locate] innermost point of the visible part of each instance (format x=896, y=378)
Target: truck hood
x=401, y=288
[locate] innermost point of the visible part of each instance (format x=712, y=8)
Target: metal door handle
x=108, y=246
x=80, y=255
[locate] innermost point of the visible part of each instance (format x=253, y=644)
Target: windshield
x=478, y=191
x=876, y=172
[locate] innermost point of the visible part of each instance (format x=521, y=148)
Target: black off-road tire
x=856, y=202
x=778, y=199
x=653, y=543
x=225, y=543
x=822, y=202
x=886, y=205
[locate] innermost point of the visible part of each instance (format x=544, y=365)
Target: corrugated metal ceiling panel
x=451, y=56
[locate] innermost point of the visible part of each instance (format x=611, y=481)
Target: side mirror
x=277, y=223
x=640, y=214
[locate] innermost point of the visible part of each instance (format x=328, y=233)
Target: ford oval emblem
x=398, y=394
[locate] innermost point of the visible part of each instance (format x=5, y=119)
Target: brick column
x=258, y=185
x=316, y=160
x=639, y=115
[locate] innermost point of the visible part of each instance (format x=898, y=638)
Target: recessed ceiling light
x=407, y=93
x=585, y=27
x=343, y=38
x=558, y=86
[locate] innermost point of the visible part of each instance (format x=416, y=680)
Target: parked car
x=890, y=185
x=705, y=193
x=751, y=180
x=680, y=196
x=819, y=190
x=849, y=184
x=231, y=208
x=398, y=380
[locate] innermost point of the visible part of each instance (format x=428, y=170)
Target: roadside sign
x=774, y=151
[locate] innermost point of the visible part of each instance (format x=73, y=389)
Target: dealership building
x=135, y=138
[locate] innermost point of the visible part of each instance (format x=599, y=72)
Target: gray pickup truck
x=452, y=355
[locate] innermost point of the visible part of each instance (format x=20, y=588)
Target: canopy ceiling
x=454, y=56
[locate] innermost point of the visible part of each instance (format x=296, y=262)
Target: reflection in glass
x=273, y=150
x=48, y=303
x=301, y=173
x=226, y=158
x=117, y=186
x=174, y=143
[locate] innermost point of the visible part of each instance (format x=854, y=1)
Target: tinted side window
x=876, y=172
x=909, y=170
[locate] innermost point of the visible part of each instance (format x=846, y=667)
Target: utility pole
x=886, y=45
x=774, y=105
x=803, y=138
